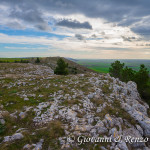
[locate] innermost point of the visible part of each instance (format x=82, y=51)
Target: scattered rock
x=37, y=146
x=22, y=115
x=109, y=120
x=16, y=136
x=85, y=104
x=133, y=133
x=2, y=121
x=26, y=99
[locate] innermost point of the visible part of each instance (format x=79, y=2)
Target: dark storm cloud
x=130, y=39
x=113, y=10
x=79, y=37
x=123, y=12
x=142, y=29
x=128, y=22
x=74, y=24
x=32, y=16
x=43, y=27
x=93, y=36
x=15, y=25
x=147, y=44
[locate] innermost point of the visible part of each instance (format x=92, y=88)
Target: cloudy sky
x=105, y=29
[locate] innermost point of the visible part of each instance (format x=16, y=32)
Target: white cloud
x=26, y=48
x=72, y=47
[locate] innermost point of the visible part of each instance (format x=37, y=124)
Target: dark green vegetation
x=61, y=68
x=140, y=77
x=102, y=65
x=2, y=128
x=37, y=60
x=14, y=60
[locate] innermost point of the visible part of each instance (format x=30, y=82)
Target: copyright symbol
x=71, y=139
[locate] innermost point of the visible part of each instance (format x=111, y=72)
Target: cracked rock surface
x=40, y=110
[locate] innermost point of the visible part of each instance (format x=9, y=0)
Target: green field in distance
x=11, y=60
x=102, y=65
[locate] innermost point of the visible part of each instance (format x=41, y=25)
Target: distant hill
x=72, y=65
x=72, y=59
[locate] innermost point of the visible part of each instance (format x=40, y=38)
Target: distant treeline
x=140, y=77
x=15, y=61
x=18, y=60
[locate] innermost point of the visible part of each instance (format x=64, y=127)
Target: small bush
x=127, y=74
x=73, y=70
x=61, y=68
x=37, y=60
x=116, y=69
x=2, y=128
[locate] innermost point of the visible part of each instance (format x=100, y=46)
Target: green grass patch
x=12, y=60
x=102, y=65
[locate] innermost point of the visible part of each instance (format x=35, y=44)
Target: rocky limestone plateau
x=43, y=111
